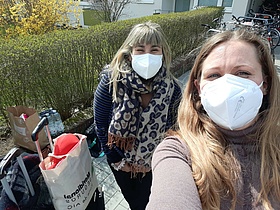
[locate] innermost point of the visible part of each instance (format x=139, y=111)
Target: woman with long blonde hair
x=135, y=103
x=226, y=151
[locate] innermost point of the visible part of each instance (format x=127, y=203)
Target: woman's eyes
x=155, y=50
x=243, y=74
x=213, y=76
x=143, y=50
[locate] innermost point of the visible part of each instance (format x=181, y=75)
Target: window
x=145, y=1
x=224, y=3
x=227, y=3
x=207, y=2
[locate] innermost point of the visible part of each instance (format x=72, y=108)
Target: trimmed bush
x=60, y=69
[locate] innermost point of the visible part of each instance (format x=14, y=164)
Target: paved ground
x=114, y=199
x=277, y=58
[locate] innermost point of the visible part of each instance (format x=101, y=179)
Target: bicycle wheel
x=273, y=36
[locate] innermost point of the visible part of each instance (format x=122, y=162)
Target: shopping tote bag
x=72, y=181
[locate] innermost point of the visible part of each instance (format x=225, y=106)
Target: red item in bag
x=24, y=116
x=63, y=144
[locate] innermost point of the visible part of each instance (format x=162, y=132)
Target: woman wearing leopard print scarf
x=135, y=103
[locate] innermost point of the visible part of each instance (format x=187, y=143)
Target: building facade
x=140, y=8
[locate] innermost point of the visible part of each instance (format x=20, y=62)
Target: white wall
x=239, y=8
x=135, y=10
x=168, y=6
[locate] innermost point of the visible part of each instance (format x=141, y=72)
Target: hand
x=126, y=168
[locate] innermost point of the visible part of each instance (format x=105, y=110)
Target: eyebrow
x=247, y=66
x=242, y=65
x=142, y=45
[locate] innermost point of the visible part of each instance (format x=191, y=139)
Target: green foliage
x=26, y=17
x=60, y=69
x=55, y=70
x=183, y=30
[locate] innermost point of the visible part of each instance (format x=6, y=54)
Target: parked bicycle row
x=265, y=25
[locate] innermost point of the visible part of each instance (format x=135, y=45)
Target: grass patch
x=91, y=17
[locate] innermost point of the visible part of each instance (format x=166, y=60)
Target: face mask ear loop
x=259, y=86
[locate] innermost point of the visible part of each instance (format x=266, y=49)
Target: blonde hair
x=215, y=169
x=144, y=33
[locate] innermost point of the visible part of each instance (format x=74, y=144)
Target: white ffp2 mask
x=231, y=101
x=146, y=65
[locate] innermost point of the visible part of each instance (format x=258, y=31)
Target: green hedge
x=60, y=69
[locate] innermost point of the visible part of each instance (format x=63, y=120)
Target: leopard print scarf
x=136, y=130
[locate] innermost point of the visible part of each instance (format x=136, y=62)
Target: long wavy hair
x=144, y=33
x=215, y=168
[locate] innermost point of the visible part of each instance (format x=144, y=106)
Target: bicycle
x=263, y=27
x=218, y=27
